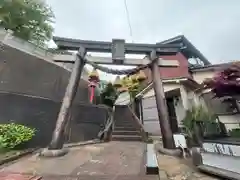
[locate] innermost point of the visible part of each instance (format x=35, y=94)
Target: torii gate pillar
x=71, y=90
x=163, y=117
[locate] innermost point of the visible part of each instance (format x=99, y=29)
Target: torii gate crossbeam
x=103, y=46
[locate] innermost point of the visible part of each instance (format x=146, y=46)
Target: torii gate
x=118, y=48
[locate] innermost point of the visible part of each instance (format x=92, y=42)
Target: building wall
x=200, y=76
x=180, y=110
x=166, y=86
x=231, y=121
x=150, y=116
x=175, y=72
x=172, y=72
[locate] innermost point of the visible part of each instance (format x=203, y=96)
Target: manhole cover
x=13, y=176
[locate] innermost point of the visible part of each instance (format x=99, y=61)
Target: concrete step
x=124, y=121
x=125, y=132
x=126, y=138
x=125, y=128
x=125, y=125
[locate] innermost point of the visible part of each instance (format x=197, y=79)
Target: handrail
x=109, y=124
x=141, y=127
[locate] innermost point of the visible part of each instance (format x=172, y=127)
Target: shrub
x=198, y=122
x=12, y=135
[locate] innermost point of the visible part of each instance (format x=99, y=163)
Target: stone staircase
x=125, y=130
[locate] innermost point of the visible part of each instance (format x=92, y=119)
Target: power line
x=128, y=19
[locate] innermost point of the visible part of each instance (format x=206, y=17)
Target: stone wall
x=26, y=74
x=31, y=92
x=39, y=113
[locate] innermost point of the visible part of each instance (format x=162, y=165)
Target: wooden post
x=71, y=90
x=166, y=131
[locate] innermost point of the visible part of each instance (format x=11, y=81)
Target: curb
x=169, y=152
x=53, y=153
x=17, y=156
x=96, y=141
x=162, y=175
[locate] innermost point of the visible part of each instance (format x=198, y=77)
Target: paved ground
x=179, y=169
x=110, y=161
x=107, y=161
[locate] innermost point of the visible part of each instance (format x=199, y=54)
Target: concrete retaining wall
x=39, y=113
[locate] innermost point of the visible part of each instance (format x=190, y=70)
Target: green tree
x=109, y=95
x=30, y=20
x=133, y=84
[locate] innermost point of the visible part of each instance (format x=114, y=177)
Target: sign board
x=180, y=140
x=222, y=156
x=118, y=50
x=223, y=149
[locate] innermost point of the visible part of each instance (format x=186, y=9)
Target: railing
x=139, y=124
x=106, y=132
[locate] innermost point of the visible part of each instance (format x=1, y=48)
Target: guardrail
x=221, y=158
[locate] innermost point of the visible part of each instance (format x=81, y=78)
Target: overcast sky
x=213, y=26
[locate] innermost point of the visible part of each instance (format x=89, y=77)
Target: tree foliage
x=226, y=82
x=133, y=85
x=12, y=135
x=199, y=122
x=30, y=20
x=109, y=95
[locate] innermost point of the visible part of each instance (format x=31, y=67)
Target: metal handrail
x=109, y=124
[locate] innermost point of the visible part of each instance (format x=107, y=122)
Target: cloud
x=212, y=26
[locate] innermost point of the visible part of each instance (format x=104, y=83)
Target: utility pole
x=163, y=117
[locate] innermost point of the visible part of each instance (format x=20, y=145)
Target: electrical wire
x=128, y=19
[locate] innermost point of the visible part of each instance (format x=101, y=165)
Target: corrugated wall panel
x=150, y=116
